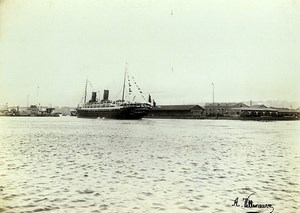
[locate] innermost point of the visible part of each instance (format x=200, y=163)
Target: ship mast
x=124, y=82
x=85, y=90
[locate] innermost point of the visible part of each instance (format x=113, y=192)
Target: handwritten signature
x=248, y=203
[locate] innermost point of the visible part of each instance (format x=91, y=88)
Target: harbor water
x=68, y=164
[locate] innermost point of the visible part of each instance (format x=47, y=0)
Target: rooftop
x=255, y=109
x=177, y=107
x=224, y=104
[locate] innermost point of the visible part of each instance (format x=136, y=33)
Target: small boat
x=119, y=109
x=73, y=113
x=57, y=114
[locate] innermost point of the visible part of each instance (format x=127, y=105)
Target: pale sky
x=174, y=49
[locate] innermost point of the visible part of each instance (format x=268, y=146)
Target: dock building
x=221, y=109
x=264, y=113
x=177, y=111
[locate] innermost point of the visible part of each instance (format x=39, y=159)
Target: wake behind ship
x=119, y=109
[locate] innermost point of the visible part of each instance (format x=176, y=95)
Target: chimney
x=94, y=95
x=105, y=95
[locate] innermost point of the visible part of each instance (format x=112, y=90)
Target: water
x=69, y=164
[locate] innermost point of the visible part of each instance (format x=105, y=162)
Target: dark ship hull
x=114, y=112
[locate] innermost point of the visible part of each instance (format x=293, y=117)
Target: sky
x=175, y=50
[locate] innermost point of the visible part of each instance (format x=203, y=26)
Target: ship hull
x=112, y=113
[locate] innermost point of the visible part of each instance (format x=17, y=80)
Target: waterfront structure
x=33, y=110
x=257, y=113
x=221, y=109
x=177, y=111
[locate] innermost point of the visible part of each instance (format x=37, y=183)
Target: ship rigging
x=119, y=109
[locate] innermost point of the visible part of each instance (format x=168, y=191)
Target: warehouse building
x=262, y=113
x=221, y=109
x=177, y=111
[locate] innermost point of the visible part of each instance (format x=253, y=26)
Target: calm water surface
x=69, y=164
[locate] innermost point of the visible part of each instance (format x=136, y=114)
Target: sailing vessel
x=119, y=109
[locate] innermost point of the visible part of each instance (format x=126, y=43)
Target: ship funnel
x=94, y=95
x=105, y=95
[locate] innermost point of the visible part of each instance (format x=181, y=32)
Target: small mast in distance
x=126, y=67
x=85, y=92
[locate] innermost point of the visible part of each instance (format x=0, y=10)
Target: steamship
x=119, y=109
